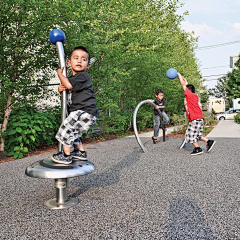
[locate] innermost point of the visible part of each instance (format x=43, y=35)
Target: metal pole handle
x=57, y=37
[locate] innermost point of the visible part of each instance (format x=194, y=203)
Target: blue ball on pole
x=57, y=35
x=171, y=73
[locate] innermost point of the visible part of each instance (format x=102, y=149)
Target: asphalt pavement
x=163, y=194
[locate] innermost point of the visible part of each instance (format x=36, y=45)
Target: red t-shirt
x=191, y=105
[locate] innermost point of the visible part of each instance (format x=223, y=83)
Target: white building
x=217, y=104
x=233, y=60
x=236, y=103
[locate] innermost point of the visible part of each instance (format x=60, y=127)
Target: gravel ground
x=163, y=194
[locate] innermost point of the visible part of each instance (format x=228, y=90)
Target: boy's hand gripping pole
x=57, y=37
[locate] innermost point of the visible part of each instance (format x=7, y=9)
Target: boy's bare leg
x=79, y=147
x=66, y=149
x=204, y=139
x=195, y=145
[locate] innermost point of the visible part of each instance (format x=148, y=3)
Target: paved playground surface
x=163, y=194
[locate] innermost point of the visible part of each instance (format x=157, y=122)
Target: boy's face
x=78, y=61
x=159, y=96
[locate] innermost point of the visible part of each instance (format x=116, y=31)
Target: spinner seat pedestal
x=46, y=168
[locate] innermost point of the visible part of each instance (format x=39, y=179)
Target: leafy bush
x=179, y=121
x=115, y=123
x=29, y=128
x=144, y=119
x=182, y=122
x=176, y=120
x=213, y=112
x=237, y=118
x=209, y=120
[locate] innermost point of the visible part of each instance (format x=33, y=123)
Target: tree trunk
x=6, y=116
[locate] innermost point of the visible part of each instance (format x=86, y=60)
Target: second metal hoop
x=135, y=122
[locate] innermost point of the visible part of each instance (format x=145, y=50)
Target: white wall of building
x=218, y=104
x=236, y=103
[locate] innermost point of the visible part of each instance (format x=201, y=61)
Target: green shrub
x=209, y=120
x=237, y=118
x=118, y=122
x=176, y=120
x=144, y=119
x=213, y=112
x=29, y=128
x=179, y=121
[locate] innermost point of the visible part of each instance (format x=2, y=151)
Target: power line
x=211, y=80
x=215, y=75
x=216, y=67
x=217, y=45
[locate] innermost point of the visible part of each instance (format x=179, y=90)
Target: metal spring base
x=61, y=201
x=60, y=173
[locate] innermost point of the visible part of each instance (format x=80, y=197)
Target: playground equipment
x=135, y=123
x=46, y=168
x=183, y=144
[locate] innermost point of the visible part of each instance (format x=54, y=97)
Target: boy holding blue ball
x=195, y=116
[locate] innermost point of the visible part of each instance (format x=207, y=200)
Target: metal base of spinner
x=46, y=168
x=54, y=205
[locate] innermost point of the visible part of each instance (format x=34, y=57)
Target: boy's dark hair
x=82, y=48
x=191, y=88
x=159, y=91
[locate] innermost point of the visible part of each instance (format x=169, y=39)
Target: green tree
x=204, y=97
x=220, y=90
x=26, y=53
x=233, y=82
x=133, y=44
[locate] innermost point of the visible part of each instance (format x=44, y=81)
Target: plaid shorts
x=72, y=128
x=194, y=131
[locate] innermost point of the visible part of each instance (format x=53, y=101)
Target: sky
x=214, y=22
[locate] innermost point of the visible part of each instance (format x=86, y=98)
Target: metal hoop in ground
x=183, y=143
x=135, y=122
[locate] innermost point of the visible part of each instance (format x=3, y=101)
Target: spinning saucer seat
x=46, y=168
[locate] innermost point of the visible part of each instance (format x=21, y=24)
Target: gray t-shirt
x=82, y=96
x=159, y=103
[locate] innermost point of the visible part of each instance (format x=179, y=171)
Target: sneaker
x=154, y=140
x=197, y=151
x=61, y=158
x=78, y=155
x=210, y=145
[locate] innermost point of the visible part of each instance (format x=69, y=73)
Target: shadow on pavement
x=187, y=221
x=107, y=178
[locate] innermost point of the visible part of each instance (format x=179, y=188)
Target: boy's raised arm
x=182, y=80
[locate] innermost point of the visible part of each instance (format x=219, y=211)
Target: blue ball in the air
x=57, y=35
x=171, y=73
